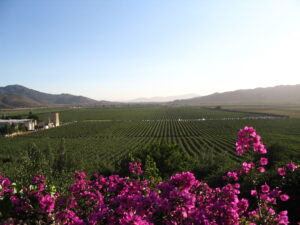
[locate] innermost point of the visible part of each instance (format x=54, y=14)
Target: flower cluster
x=116, y=200
x=248, y=138
x=288, y=167
x=265, y=212
x=135, y=168
x=122, y=200
x=24, y=203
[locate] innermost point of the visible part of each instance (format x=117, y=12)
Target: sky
x=120, y=50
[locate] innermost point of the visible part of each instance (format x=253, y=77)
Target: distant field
x=146, y=113
x=108, y=134
x=292, y=111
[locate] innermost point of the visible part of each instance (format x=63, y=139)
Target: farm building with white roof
x=28, y=123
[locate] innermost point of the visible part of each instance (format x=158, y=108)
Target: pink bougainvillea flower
x=284, y=197
x=263, y=161
x=265, y=188
x=253, y=192
x=281, y=171
x=261, y=169
x=291, y=166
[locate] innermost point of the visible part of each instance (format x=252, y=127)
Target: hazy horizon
x=120, y=51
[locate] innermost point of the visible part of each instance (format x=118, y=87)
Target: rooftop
x=16, y=121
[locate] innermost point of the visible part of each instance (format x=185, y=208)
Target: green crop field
x=146, y=113
x=106, y=135
x=125, y=113
x=291, y=110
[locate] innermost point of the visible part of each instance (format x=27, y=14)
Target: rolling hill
x=15, y=96
x=271, y=95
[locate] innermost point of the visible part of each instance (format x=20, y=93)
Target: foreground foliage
x=182, y=199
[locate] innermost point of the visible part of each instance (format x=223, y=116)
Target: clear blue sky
x=118, y=50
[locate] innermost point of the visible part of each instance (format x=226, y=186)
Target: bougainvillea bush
x=182, y=199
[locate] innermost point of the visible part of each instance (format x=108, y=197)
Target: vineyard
x=106, y=135
x=138, y=113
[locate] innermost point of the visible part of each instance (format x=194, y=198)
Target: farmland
x=132, y=112
x=106, y=135
x=291, y=110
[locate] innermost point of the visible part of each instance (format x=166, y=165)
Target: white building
x=28, y=123
x=56, y=120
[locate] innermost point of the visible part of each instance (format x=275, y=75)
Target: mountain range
x=271, y=95
x=17, y=96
